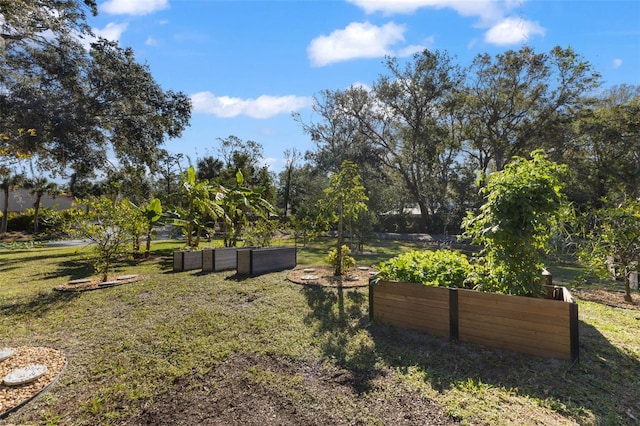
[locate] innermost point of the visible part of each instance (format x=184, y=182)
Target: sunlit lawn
x=127, y=344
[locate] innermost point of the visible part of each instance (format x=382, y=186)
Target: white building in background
x=20, y=200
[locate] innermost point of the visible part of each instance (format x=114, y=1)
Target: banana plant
x=152, y=214
x=238, y=201
x=201, y=210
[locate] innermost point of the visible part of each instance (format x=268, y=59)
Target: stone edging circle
x=322, y=276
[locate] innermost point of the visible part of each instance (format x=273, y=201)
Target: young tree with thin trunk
x=107, y=225
x=611, y=241
x=344, y=200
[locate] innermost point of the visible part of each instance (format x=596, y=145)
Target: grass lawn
x=271, y=346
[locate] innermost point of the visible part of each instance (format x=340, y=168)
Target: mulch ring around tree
x=323, y=276
x=95, y=283
x=18, y=365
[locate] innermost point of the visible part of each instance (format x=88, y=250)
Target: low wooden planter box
x=219, y=259
x=543, y=327
x=258, y=261
x=187, y=260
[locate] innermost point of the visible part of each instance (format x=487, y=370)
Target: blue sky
x=248, y=64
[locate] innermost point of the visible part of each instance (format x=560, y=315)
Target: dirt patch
x=13, y=397
x=95, y=283
x=323, y=276
x=607, y=297
x=251, y=389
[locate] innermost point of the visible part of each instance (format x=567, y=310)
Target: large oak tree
x=81, y=102
x=404, y=122
x=516, y=102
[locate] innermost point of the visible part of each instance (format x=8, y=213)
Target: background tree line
x=428, y=132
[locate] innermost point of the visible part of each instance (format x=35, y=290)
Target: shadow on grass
x=604, y=383
x=72, y=269
x=338, y=315
x=38, y=305
x=30, y=258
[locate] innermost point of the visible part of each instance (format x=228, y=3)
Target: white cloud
x=410, y=50
x=133, y=7
x=512, y=31
x=486, y=10
x=491, y=14
x=264, y=106
x=270, y=162
x=358, y=40
x=617, y=63
x=361, y=85
x=150, y=41
x=112, y=31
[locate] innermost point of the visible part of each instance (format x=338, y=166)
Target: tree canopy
x=423, y=130
x=80, y=101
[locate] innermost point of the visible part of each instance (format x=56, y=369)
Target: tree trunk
x=36, y=211
x=5, y=211
x=287, y=190
x=424, y=216
x=147, y=251
x=338, y=268
x=627, y=287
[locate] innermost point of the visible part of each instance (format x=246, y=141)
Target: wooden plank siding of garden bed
x=187, y=260
x=541, y=327
x=264, y=260
x=522, y=324
x=219, y=259
x=405, y=305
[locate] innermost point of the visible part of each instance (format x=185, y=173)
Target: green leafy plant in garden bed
x=523, y=206
x=442, y=268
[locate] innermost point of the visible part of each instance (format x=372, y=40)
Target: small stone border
x=95, y=283
x=322, y=276
x=14, y=397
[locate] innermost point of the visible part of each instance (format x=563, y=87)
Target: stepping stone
x=80, y=281
x=5, y=353
x=107, y=283
x=363, y=268
x=352, y=278
x=126, y=277
x=310, y=277
x=308, y=270
x=24, y=375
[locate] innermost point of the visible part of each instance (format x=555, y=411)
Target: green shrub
x=107, y=225
x=523, y=208
x=260, y=233
x=348, y=262
x=20, y=221
x=441, y=268
x=52, y=222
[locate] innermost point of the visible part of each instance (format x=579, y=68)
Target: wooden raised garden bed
x=543, y=327
x=187, y=260
x=263, y=260
x=220, y=259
